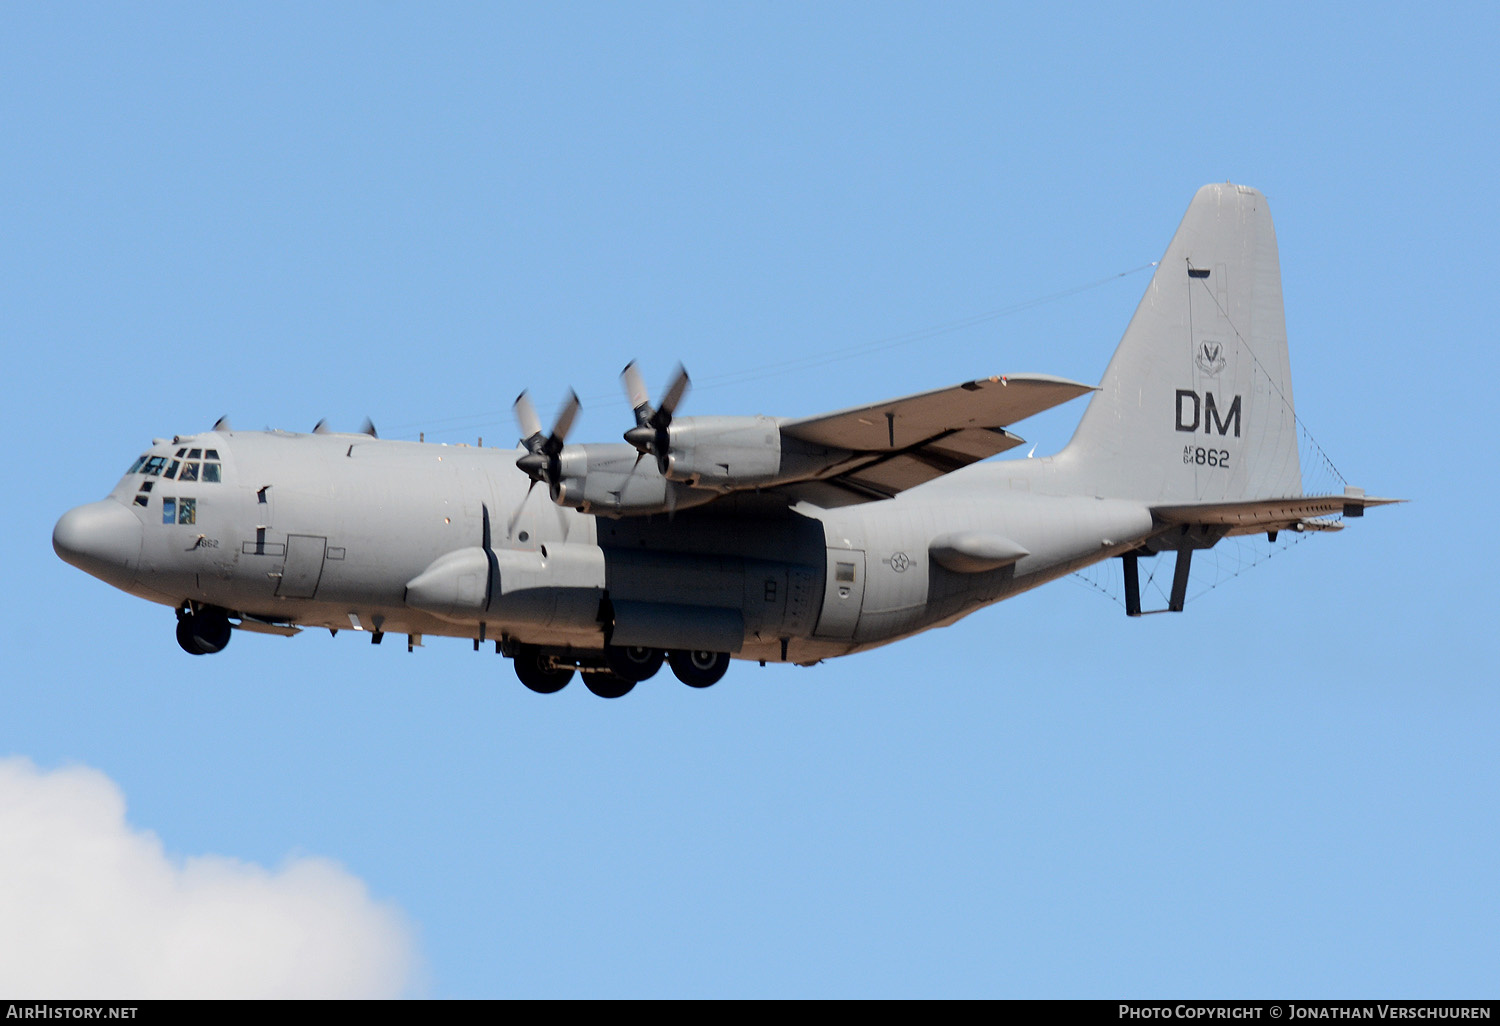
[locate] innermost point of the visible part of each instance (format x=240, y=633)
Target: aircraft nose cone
x=103, y=539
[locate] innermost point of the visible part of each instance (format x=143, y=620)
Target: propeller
x=543, y=459
x=650, y=434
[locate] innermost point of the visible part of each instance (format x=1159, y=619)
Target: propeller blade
x=510, y=528
x=635, y=391
x=369, y=428
x=530, y=423
x=564, y=422
x=675, y=391
x=321, y=427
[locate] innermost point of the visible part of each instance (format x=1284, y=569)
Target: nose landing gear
x=202, y=631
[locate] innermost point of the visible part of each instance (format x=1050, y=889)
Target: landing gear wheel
x=607, y=685
x=633, y=662
x=204, y=632
x=540, y=675
x=699, y=669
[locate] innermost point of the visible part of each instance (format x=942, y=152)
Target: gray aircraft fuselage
x=327, y=530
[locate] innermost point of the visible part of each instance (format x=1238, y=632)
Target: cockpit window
x=211, y=471
x=172, y=470
x=181, y=451
x=153, y=465
x=189, y=472
x=195, y=454
x=211, y=454
x=137, y=465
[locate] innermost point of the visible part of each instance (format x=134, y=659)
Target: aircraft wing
x=901, y=443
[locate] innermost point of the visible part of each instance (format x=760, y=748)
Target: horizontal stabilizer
x=1253, y=516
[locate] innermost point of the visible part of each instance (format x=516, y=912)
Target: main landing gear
x=202, y=631
x=620, y=669
x=540, y=672
x=699, y=669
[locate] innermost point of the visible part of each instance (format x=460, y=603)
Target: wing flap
x=889, y=473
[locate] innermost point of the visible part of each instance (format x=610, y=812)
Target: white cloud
x=93, y=907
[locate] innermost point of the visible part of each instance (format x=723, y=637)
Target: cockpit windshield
x=189, y=465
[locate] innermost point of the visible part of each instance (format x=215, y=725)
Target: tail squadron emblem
x=1210, y=356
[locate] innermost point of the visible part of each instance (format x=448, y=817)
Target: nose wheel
x=203, y=632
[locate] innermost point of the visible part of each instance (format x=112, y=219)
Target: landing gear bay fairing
x=703, y=539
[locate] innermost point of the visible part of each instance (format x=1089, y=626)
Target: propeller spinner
x=650, y=434
x=542, y=461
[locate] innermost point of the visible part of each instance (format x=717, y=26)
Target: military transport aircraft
x=701, y=539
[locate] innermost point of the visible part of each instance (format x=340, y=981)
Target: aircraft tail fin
x=1196, y=405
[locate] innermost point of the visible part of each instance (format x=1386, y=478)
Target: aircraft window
x=142, y=499
x=211, y=471
x=172, y=470
x=137, y=465
x=179, y=452
x=169, y=511
x=189, y=472
x=195, y=454
x=153, y=465
x=187, y=511
x=146, y=485
x=211, y=454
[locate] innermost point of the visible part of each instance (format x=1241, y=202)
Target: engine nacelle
x=614, y=480
x=724, y=453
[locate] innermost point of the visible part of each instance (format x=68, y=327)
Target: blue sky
x=289, y=212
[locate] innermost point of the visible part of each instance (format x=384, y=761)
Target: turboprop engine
x=694, y=459
x=613, y=479
x=723, y=453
